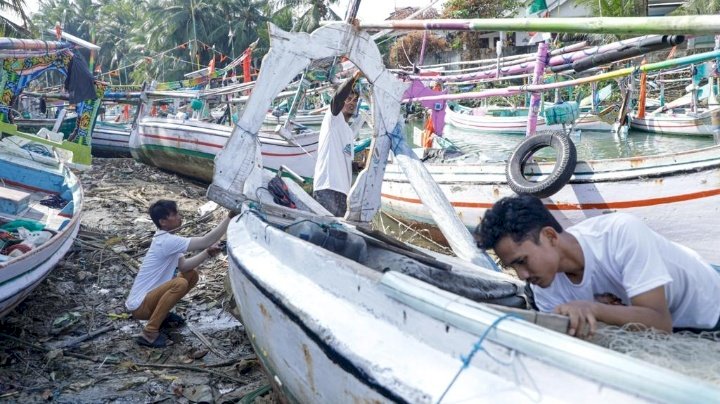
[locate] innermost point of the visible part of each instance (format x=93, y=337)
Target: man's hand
x=214, y=249
x=357, y=75
x=583, y=322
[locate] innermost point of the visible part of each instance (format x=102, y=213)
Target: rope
x=475, y=349
x=37, y=148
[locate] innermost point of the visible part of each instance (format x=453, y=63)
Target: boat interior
x=41, y=213
x=379, y=252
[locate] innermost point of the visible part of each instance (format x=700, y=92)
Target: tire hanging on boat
x=566, y=156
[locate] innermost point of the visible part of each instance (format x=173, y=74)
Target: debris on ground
x=72, y=340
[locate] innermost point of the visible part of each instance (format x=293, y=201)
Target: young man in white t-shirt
x=333, y=168
x=156, y=290
x=610, y=268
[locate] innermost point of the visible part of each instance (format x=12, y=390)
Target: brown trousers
x=158, y=302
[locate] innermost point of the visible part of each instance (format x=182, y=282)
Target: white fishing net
x=695, y=355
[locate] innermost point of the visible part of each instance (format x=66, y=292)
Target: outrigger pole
x=692, y=24
x=512, y=90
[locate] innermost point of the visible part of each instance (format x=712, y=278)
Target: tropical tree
x=469, y=41
x=9, y=28
x=698, y=7
x=406, y=49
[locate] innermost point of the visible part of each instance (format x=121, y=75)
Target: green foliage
x=468, y=41
x=143, y=40
x=698, y=7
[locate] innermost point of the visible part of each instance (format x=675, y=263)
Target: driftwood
x=72, y=342
x=205, y=341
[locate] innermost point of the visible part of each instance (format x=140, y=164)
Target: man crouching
x=156, y=290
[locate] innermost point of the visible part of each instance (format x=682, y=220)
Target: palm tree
x=697, y=7
x=8, y=27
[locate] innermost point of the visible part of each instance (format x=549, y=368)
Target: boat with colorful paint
x=383, y=321
x=46, y=195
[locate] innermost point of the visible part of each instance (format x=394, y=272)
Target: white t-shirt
x=158, y=266
x=626, y=258
x=333, y=169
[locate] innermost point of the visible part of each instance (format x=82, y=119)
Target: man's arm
x=649, y=308
x=338, y=100
x=210, y=238
x=187, y=264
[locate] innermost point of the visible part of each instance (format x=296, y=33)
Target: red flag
x=211, y=66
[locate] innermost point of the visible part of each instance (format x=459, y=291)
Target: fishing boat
x=677, y=193
x=682, y=122
x=111, y=139
x=338, y=313
x=189, y=146
x=24, y=60
x=513, y=121
x=47, y=196
x=40, y=198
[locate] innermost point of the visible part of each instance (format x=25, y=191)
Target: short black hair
x=519, y=217
x=161, y=209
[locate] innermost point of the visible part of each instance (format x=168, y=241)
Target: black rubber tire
x=565, y=154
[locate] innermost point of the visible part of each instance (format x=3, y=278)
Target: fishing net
x=695, y=355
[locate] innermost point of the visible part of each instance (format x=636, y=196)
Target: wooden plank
x=550, y=321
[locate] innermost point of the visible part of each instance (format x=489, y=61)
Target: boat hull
x=189, y=147
x=678, y=195
x=111, y=140
x=674, y=124
x=517, y=125
x=329, y=330
x=21, y=275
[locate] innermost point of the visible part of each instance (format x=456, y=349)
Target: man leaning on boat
x=333, y=168
x=156, y=290
x=611, y=268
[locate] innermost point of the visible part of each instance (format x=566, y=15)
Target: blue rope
x=475, y=349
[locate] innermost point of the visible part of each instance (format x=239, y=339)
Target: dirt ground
x=70, y=341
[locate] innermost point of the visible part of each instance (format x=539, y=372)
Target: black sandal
x=160, y=342
x=172, y=321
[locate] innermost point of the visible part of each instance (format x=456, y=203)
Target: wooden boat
x=34, y=124
x=111, y=139
x=305, y=118
x=188, y=147
x=676, y=194
x=354, y=325
x=675, y=122
x=513, y=121
x=24, y=183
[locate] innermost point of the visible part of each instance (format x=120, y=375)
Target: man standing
x=333, y=169
x=156, y=290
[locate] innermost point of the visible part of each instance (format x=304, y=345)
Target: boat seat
x=13, y=201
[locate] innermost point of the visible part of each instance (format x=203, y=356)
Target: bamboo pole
x=535, y=97
x=691, y=24
x=512, y=90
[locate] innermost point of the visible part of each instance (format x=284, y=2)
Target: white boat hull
x=677, y=195
x=516, y=125
x=674, y=124
x=189, y=147
x=330, y=330
x=111, y=140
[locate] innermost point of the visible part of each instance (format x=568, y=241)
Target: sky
x=370, y=10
